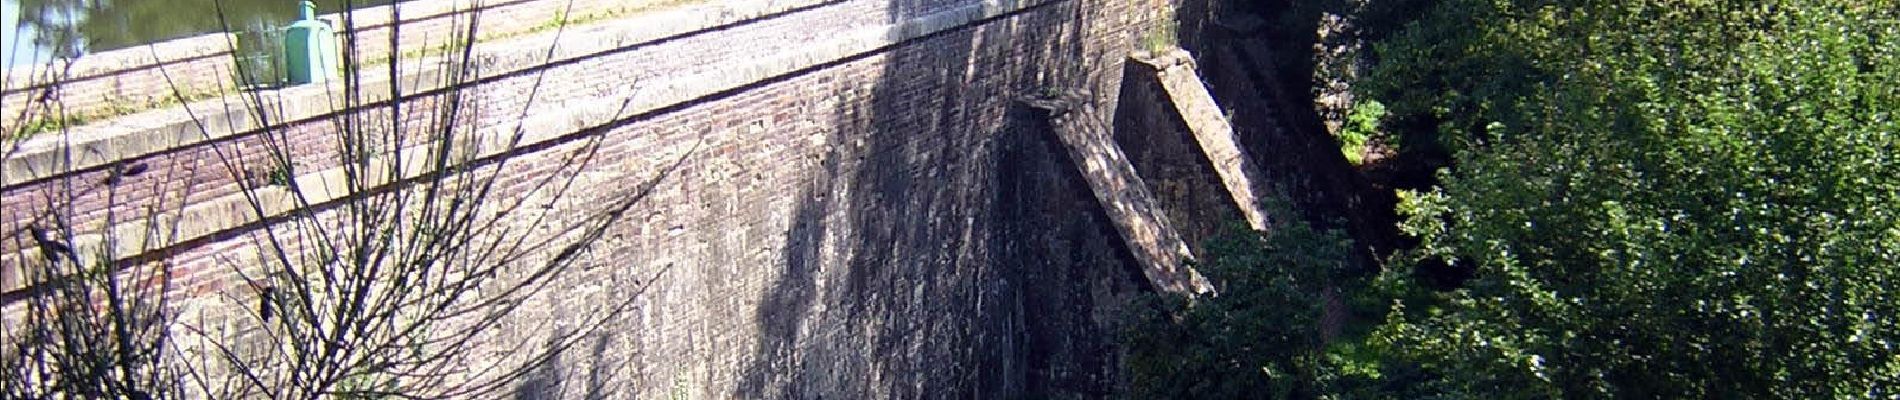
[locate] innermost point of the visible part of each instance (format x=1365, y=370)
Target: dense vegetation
x=1656, y=199
x=1256, y=338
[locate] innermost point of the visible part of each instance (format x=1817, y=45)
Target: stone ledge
x=234, y=211
x=156, y=131
x=1123, y=195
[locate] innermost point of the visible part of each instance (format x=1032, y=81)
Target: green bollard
x=309, y=49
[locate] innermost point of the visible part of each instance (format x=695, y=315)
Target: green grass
x=557, y=21
x=38, y=126
x=35, y=125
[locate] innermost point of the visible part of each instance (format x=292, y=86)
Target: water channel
x=38, y=31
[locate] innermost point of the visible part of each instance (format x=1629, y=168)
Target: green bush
x=1260, y=336
x=1661, y=199
x=1657, y=199
x=1362, y=124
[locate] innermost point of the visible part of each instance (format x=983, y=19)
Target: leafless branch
x=377, y=259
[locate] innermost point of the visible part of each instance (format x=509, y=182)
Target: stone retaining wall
x=200, y=152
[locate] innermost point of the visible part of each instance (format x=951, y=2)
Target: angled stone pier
x=1137, y=216
x=1176, y=72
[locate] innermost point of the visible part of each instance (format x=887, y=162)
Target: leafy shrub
x=1362, y=124
x=1260, y=336
x=1661, y=199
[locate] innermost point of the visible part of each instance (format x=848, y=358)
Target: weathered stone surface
x=1210, y=136
x=848, y=205
x=197, y=124
x=1124, y=196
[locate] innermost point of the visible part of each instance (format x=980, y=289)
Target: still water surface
x=36, y=31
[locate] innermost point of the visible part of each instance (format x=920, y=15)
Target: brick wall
x=199, y=170
x=883, y=224
x=138, y=78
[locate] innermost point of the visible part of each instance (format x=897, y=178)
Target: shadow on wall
x=603, y=370
x=1193, y=20
x=1165, y=153
x=1258, y=60
x=552, y=377
x=909, y=262
x=1309, y=67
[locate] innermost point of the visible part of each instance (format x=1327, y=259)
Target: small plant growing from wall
x=1165, y=33
x=1051, y=91
x=279, y=175
x=266, y=174
x=1362, y=125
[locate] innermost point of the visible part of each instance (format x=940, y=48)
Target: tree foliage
x=1661, y=199
x=1261, y=335
x=1655, y=199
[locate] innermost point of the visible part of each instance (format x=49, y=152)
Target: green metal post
x=309, y=48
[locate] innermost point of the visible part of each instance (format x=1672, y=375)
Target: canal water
x=38, y=31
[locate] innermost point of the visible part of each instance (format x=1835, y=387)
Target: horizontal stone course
x=140, y=134
x=144, y=76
